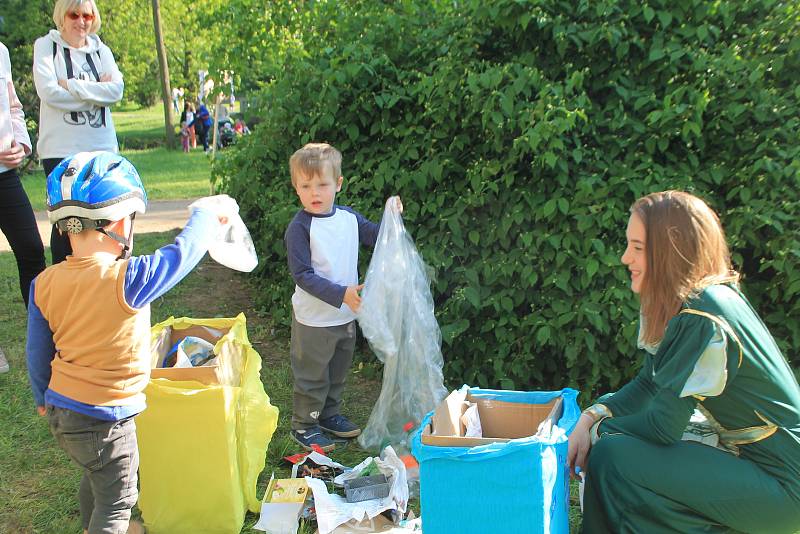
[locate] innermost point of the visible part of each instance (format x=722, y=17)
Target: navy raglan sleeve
x=298, y=253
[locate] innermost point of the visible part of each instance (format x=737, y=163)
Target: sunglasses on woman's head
x=87, y=17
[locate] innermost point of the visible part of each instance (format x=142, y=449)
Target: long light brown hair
x=686, y=251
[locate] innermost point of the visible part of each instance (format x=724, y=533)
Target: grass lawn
x=166, y=175
x=138, y=127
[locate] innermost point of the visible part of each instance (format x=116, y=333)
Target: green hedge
x=518, y=133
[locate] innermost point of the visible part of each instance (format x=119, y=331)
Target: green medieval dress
x=647, y=473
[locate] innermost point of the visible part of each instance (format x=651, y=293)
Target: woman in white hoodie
x=77, y=81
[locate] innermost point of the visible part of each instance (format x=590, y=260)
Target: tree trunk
x=166, y=93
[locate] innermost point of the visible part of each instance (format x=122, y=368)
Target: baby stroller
x=227, y=136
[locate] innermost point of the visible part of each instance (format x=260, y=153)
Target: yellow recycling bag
x=204, y=435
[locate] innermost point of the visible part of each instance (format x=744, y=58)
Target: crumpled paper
x=334, y=510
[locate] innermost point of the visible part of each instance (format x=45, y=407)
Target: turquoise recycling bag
x=514, y=487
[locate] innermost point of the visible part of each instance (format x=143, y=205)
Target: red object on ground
x=300, y=456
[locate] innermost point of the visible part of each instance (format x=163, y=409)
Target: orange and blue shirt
x=88, y=346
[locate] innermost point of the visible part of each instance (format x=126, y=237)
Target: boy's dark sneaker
x=313, y=436
x=339, y=426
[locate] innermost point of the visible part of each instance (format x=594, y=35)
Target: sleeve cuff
x=594, y=432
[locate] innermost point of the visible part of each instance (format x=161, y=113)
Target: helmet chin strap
x=126, y=243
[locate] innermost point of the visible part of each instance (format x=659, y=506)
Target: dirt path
x=162, y=215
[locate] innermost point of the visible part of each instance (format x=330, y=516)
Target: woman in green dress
x=706, y=438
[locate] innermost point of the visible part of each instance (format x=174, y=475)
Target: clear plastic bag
x=397, y=318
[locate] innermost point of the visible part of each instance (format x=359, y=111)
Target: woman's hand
x=63, y=84
x=579, y=445
x=12, y=157
x=105, y=77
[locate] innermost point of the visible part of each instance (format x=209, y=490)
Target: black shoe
x=313, y=436
x=339, y=426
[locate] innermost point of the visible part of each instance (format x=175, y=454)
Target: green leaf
x=474, y=236
x=648, y=13
x=453, y=330
x=656, y=53
x=473, y=296
x=533, y=140
x=665, y=17
x=591, y=267
x=543, y=335
x=702, y=32
x=506, y=104
x=549, y=207
x=563, y=205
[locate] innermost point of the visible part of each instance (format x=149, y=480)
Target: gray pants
x=108, y=454
x=321, y=358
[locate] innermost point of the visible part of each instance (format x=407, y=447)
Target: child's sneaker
x=339, y=426
x=313, y=436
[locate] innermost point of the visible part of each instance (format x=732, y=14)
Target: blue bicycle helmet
x=90, y=190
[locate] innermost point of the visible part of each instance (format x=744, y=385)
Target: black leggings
x=18, y=224
x=59, y=243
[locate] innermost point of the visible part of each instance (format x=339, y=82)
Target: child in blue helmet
x=88, y=344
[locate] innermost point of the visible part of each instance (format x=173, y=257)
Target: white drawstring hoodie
x=79, y=118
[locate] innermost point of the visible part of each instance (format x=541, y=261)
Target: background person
x=77, y=81
x=187, y=116
x=17, y=221
x=707, y=437
x=203, y=124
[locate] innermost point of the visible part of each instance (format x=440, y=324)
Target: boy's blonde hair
x=315, y=159
x=63, y=7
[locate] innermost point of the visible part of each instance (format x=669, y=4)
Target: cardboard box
x=501, y=421
x=282, y=505
x=206, y=374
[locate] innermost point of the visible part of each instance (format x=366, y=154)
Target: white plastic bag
x=396, y=316
x=232, y=246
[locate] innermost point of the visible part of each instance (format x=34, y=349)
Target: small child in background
x=240, y=127
x=185, y=136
